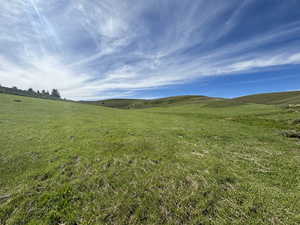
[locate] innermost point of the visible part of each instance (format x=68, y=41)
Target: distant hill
x=144, y=103
x=277, y=98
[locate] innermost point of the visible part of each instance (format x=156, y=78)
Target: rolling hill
x=144, y=103
x=277, y=98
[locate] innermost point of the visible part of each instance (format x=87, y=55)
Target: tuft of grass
x=70, y=163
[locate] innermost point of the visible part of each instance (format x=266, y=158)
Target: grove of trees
x=31, y=93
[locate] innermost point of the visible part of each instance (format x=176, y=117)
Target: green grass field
x=80, y=164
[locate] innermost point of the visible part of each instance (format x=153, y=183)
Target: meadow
x=210, y=163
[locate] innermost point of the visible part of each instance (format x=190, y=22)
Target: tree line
x=54, y=94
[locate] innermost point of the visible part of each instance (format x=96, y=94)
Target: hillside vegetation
x=81, y=164
x=278, y=98
x=144, y=103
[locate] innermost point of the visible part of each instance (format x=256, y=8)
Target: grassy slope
x=279, y=98
x=142, y=103
x=68, y=163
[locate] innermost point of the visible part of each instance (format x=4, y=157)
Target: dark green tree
x=31, y=92
x=43, y=93
x=55, y=93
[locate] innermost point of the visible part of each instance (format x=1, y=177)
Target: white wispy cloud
x=113, y=48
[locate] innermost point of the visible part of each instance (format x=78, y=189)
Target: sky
x=99, y=49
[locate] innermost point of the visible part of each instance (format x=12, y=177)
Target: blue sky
x=92, y=49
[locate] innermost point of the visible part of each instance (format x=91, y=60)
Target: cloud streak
x=114, y=48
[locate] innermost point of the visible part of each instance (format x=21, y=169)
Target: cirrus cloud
x=114, y=48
